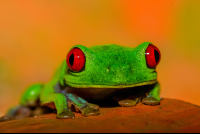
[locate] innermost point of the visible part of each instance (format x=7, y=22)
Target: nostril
x=108, y=70
x=132, y=70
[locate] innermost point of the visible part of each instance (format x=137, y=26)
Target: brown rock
x=170, y=116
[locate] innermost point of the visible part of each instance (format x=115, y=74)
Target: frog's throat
x=75, y=85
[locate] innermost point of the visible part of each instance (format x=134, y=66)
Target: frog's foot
x=66, y=114
x=18, y=112
x=150, y=101
x=80, y=105
x=89, y=111
x=6, y=118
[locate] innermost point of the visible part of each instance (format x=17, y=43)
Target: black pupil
x=71, y=59
x=156, y=54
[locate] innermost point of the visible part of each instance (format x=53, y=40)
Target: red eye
x=76, y=59
x=152, y=55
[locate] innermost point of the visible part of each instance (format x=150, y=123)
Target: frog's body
x=107, y=71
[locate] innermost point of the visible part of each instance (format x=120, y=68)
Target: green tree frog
x=110, y=71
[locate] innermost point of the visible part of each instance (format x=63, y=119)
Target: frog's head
x=111, y=66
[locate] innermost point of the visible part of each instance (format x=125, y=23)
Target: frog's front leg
x=64, y=103
x=60, y=102
x=153, y=96
x=86, y=109
x=79, y=104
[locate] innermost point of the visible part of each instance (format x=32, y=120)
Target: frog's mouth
x=77, y=85
x=99, y=92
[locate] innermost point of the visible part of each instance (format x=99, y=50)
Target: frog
x=125, y=74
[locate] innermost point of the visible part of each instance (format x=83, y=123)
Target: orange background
x=35, y=37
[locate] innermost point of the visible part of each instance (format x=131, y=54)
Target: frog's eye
x=76, y=59
x=152, y=55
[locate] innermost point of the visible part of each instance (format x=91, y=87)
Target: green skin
x=107, y=69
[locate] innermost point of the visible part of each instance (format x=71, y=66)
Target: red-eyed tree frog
x=110, y=71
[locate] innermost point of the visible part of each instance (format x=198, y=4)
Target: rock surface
x=171, y=116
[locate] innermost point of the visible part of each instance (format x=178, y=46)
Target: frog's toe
x=66, y=114
x=128, y=103
x=6, y=118
x=17, y=112
x=94, y=106
x=23, y=112
x=150, y=101
x=89, y=111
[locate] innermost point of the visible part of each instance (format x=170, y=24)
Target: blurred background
x=35, y=36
